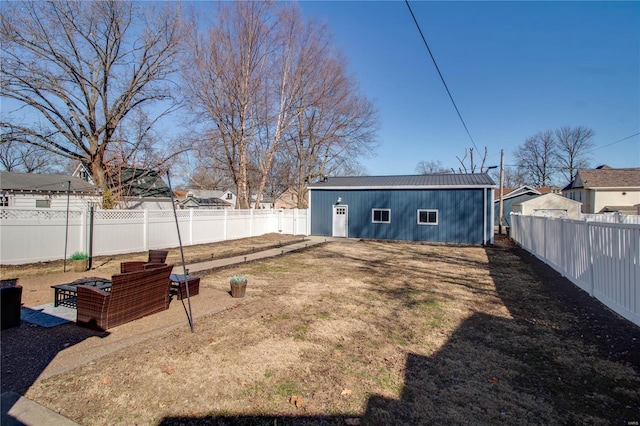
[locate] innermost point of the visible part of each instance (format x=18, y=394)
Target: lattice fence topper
x=231, y=213
x=39, y=214
x=163, y=214
x=118, y=214
x=208, y=213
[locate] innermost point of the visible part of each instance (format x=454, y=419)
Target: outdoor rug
x=47, y=315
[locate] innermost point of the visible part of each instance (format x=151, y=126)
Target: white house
x=30, y=190
x=605, y=189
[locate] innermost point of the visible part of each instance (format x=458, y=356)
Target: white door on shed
x=340, y=216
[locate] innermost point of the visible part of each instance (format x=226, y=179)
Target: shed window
x=427, y=217
x=43, y=203
x=381, y=215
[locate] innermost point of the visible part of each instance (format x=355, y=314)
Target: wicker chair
x=156, y=257
x=133, y=295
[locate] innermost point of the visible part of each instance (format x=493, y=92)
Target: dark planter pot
x=238, y=289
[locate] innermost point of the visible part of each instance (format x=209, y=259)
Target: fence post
x=224, y=226
x=83, y=230
x=145, y=229
x=294, y=219
x=251, y=217
x=590, y=257
x=190, y=227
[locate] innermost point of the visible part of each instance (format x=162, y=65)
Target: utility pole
x=501, y=211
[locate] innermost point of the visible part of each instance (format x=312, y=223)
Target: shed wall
x=460, y=214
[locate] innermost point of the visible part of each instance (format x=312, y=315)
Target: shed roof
x=432, y=181
x=43, y=183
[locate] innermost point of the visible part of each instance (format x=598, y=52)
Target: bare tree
x=83, y=68
x=17, y=157
x=271, y=89
x=473, y=167
x=513, y=177
x=573, y=145
x=430, y=167
x=537, y=158
x=223, y=83
x=334, y=124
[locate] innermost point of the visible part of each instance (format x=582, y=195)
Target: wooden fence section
x=601, y=258
x=37, y=235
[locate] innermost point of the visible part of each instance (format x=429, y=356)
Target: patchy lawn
x=375, y=333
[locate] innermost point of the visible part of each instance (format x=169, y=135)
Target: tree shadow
x=554, y=356
x=28, y=349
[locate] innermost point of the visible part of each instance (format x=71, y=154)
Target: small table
x=178, y=287
x=66, y=294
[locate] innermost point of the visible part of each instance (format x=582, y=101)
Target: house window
x=43, y=203
x=229, y=195
x=427, y=217
x=381, y=215
x=4, y=201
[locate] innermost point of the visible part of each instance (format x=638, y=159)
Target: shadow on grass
x=27, y=351
x=556, y=357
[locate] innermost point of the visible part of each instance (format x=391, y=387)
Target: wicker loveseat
x=133, y=295
x=155, y=257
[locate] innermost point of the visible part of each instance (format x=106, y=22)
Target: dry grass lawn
x=374, y=333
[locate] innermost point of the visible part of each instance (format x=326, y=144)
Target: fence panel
x=30, y=235
x=33, y=235
x=611, y=218
x=208, y=226
x=602, y=258
x=118, y=231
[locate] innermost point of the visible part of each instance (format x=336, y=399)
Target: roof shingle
x=610, y=178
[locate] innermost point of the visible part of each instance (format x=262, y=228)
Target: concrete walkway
x=230, y=261
x=18, y=410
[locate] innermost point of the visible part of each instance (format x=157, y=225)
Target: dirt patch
x=376, y=333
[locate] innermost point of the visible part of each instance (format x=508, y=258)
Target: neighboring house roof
x=42, y=183
x=135, y=182
x=514, y=192
x=605, y=178
x=205, y=193
x=196, y=202
x=140, y=183
x=524, y=189
x=434, y=181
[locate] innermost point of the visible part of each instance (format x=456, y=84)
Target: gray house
x=450, y=208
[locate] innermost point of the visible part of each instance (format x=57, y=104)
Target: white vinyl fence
x=35, y=235
x=601, y=258
x=611, y=218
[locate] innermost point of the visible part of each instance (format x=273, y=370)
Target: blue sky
x=513, y=68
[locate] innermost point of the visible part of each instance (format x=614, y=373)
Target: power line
x=612, y=143
x=440, y=74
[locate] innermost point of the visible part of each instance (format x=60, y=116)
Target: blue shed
x=449, y=208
